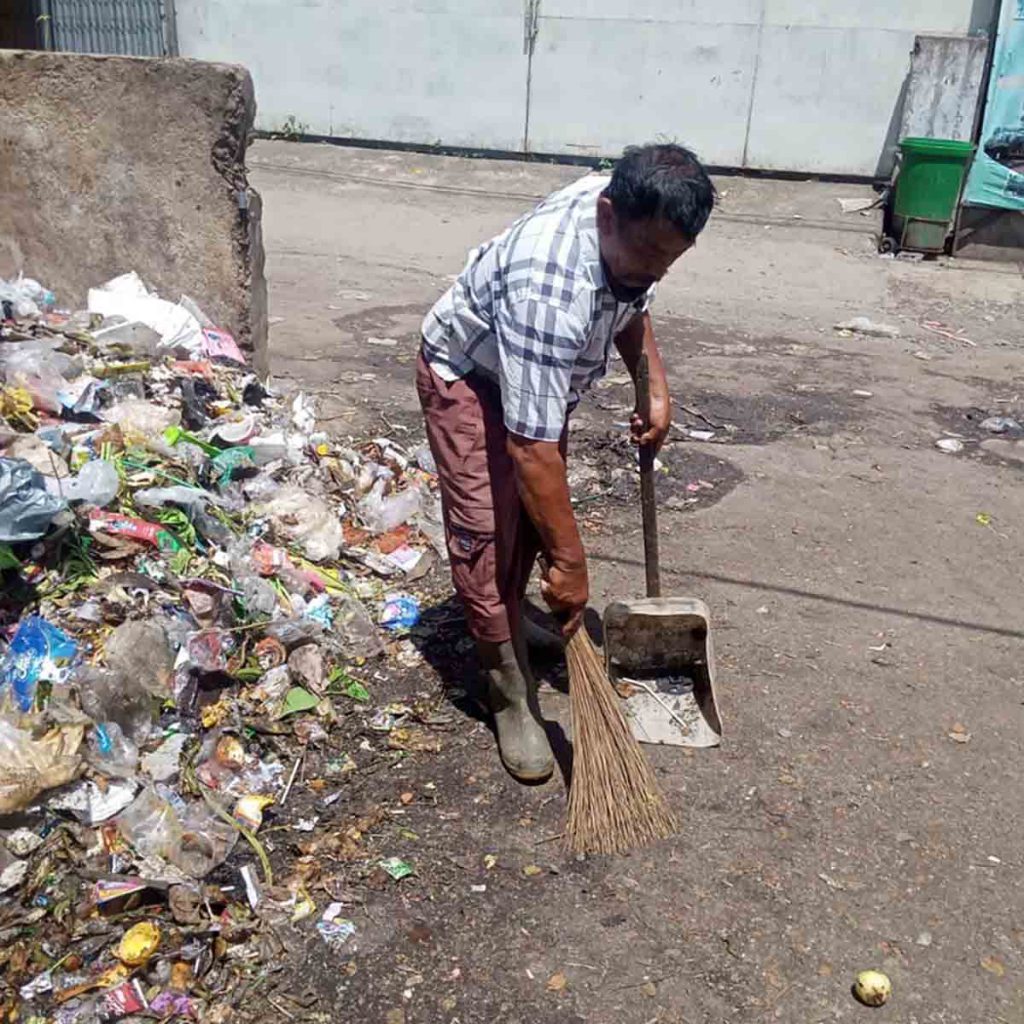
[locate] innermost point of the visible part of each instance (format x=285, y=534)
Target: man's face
x=636, y=254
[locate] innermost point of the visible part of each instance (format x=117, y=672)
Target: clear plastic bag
x=136, y=415
x=190, y=837
x=111, y=753
x=112, y=698
x=382, y=513
x=308, y=521
x=258, y=596
x=97, y=484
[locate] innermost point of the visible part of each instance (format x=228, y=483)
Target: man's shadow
x=443, y=640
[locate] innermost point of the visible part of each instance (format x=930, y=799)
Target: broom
x=614, y=800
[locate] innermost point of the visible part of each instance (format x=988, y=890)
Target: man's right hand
x=566, y=589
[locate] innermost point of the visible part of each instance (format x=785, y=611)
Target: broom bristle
x=614, y=800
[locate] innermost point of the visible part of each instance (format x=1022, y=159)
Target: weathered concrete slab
x=110, y=164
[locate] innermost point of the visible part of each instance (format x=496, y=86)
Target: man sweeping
x=527, y=326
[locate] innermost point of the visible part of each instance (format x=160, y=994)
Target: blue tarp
x=997, y=177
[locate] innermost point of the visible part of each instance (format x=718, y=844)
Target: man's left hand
x=661, y=421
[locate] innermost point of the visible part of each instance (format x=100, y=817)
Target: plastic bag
x=112, y=753
x=358, y=634
x=308, y=521
x=29, y=766
x=38, y=651
x=27, y=297
x=109, y=697
x=381, y=514
x=127, y=296
x=140, y=652
x=193, y=840
x=142, y=417
x=97, y=484
x=258, y=596
x=26, y=507
x=191, y=499
x=401, y=611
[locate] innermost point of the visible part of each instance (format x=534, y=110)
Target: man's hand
x=566, y=590
x=637, y=339
x=661, y=421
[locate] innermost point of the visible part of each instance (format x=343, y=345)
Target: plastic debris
x=870, y=329
x=30, y=766
x=400, y=612
x=950, y=445
x=396, y=868
x=193, y=578
x=39, y=651
x=334, y=929
x=1000, y=425
x=138, y=944
x=26, y=506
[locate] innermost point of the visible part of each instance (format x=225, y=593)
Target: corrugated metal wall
x=139, y=28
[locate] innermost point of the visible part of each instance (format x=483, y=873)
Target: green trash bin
x=931, y=174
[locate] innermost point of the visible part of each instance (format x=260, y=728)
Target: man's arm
x=635, y=339
x=544, y=490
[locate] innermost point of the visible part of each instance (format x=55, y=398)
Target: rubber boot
x=539, y=639
x=512, y=695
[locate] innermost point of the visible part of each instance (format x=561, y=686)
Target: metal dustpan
x=658, y=649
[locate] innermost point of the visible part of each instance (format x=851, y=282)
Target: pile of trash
x=191, y=571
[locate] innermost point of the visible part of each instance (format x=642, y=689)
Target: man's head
x=658, y=202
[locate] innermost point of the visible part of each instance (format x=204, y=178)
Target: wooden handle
x=647, y=498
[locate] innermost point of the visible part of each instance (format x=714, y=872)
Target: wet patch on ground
x=603, y=468
x=383, y=322
x=752, y=419
x=680, y=336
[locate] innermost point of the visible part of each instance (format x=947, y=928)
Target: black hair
x=663, y=180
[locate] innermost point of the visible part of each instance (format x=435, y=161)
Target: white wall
x=811, y=85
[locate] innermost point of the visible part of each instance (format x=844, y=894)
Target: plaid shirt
x=531, y=311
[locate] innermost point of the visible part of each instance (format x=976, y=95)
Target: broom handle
x=647, y=498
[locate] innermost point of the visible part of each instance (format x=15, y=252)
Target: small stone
x=924, y=939
x=407, y=798
x=649, y=989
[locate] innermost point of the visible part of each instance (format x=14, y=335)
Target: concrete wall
x=109, y=164
x=811, y=85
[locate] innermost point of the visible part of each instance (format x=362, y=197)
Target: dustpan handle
x=647, y=497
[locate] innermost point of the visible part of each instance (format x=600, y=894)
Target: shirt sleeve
x=538, y=343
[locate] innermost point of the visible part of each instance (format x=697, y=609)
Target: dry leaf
x=993, y=965
x=649, y=989
x=557, y=982
x=959, y=733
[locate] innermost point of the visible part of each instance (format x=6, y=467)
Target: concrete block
x=109, y=164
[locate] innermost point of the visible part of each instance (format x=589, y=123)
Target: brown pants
x=492, y=543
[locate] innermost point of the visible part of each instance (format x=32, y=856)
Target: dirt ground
x=865, y=808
